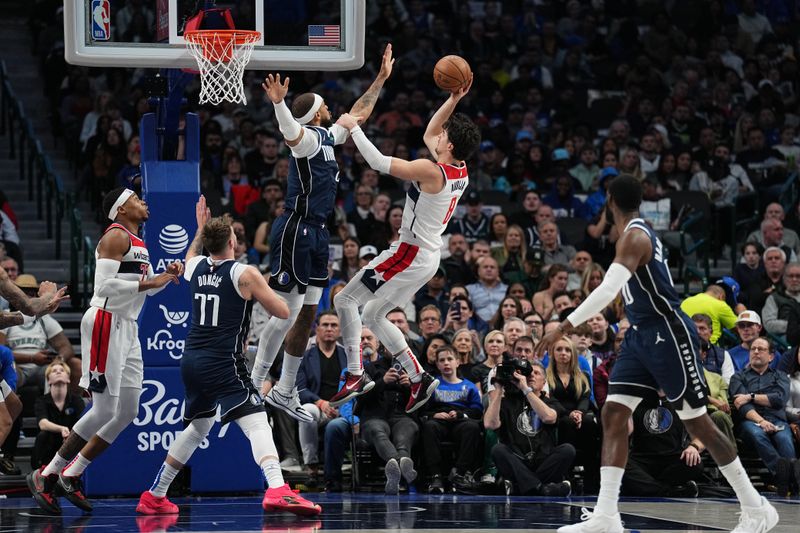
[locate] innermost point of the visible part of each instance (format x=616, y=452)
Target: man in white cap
x=748, y=326
x=299, y=238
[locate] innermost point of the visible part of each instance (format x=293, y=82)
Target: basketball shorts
x=221, y=380
x=299, y=253
x=662, y=354
x=399, y=272
x=111, y=353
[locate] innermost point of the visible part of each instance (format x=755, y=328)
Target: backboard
x=295, y=34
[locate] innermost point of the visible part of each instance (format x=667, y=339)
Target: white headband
x=112, y=213
x=308, y=117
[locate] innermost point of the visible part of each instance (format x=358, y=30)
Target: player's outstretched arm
x=366, y=104
x=50, y=296
x=276, y=91
x=421, y=170
x=438, y=119
x=633, y=250
x=110, y=250
x=253, y=285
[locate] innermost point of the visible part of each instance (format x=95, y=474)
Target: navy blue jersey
x=220, y=316
x=311, y=187
x=650, y=294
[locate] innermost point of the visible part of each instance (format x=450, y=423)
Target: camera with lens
x=504, y=374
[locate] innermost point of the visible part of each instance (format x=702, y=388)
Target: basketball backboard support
x=148, y=33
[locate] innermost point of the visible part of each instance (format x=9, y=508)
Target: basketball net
x=222, y=56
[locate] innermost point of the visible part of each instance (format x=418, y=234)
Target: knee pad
x=313, y=295
x=190, y=438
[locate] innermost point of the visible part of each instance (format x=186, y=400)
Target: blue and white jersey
x=650, y=293
x=220, y=315
x=314, y=173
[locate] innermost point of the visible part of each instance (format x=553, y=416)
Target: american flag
x=323, y=35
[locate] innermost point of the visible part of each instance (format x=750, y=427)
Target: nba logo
x=101, y=20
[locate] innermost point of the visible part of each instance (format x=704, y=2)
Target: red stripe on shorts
x=403, y=263
x=397, y=256
x=100, y=334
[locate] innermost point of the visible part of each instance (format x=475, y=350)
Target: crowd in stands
x=697, y=99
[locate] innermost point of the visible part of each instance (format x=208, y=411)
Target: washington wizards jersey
x=311, y=187
x=650, y=293
x=220, y=316
x=134, y=266
x=425, y=215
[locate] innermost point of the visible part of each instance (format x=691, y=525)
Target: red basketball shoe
x=285, y=499
x=149, y=504
x=353, y=386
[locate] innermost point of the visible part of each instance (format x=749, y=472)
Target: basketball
x=451, y=73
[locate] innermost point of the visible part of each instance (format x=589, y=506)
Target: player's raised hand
x=387, y=62
x=276, y=91
x=348, y=121
x=56, y=298
x=176, y=268
x=462, y=92
x=201, y=212
x=547, y=342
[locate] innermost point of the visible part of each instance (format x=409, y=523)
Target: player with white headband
x=112, y=356
x=299, y=238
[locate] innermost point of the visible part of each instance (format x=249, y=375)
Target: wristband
x=695, y=446
x=527, y=391
x=752, y=396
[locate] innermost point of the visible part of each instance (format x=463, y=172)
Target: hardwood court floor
x=373, y=513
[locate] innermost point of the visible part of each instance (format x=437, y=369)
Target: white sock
x=163, y=480
x=77, y=466
x=353, y=351
x=272, y=473
x=740, y=482
x=608, y=497
x=288, y=373
x=55, y=466
x=410, y=365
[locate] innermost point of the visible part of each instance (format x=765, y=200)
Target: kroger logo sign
x=173, y=239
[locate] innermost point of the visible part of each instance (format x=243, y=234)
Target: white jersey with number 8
x=425, y=215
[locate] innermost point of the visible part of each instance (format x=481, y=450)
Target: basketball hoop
x=221, y=57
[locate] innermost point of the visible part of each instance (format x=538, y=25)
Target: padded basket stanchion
x=221, y=58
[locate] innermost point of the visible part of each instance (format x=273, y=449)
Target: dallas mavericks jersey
x=220, y=316
x=135, y=266
x=650, y=294
x=425, y=215
x=311, y=187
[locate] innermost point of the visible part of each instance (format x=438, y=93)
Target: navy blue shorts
x=298, y=253
x=661, y=354
x=218, y=379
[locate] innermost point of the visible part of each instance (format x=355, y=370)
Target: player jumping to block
x=394, y=277
x=660, y=351
x=299, y=238
x=214, y=369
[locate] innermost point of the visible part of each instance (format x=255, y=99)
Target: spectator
x=56, y=413
x=513, y=329
x=498, y=225
x=35, y=345
x=434, y=293
x=385, y=424
x=264, y=209
x=457, y=267
x=524, y=348
x=528, y=455
x=453, y=413
x=586, y=171
x=557, y=278
x=783, y=302
x=318, y=381
x=463, y=316
x=509, y=307
x=474, y=224
x=9, y=237
x=487, y=293
x=660, y=463
x=712, y=357
x=563, y=200
x=362, y=218
x=430, y=321
x=468, y=352
x=751, y=269
x=774, y=265
x=543, y=215
x=554, y=251
x=753, y=23
x=719, y=407
x=349, y=265
x=789, y=240
x=600, y=377
x=398, y=317
x=494, y=344
x=748, y=326
x=526, y=218
x=511, y=255
x=260, y=162
x=760, y=394
x=535, y=324
x=429, y=349
x=580, y=262
x=712, y=303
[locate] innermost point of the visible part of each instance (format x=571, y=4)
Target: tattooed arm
x=364, y=105
x=8, y=319
x=47, y=302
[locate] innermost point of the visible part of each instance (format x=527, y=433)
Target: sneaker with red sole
x=150, y=504
x=72, y=489
x=43, y=490
x=353, y=386
x=285, y=499
x=155, y=523
x=421, y=392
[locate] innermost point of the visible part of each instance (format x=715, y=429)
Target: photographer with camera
x=524, y=418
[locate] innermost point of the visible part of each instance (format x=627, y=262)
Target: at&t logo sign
x=174, y=240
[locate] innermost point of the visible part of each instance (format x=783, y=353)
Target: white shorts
x=111, y=354
x=399, y=272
